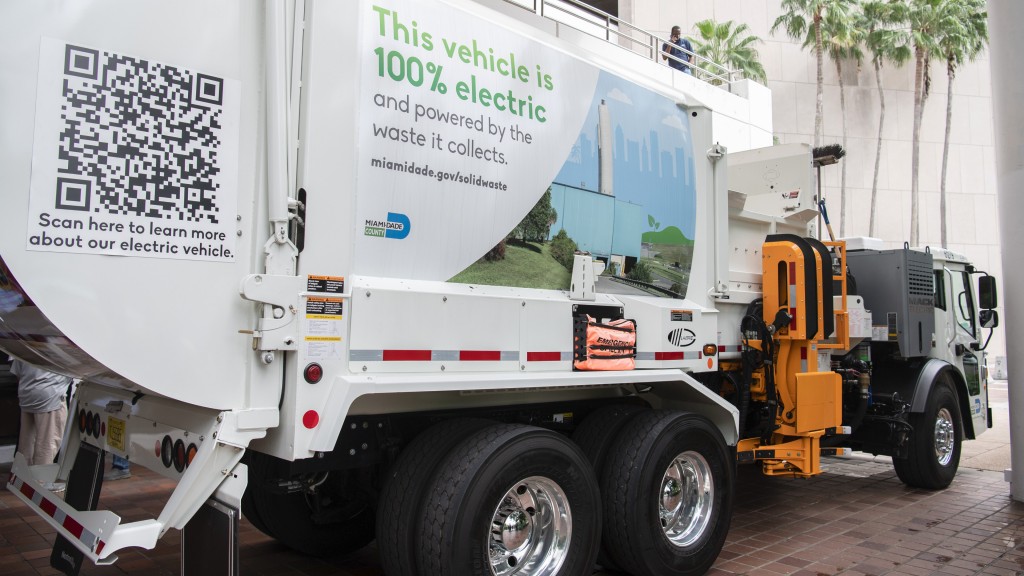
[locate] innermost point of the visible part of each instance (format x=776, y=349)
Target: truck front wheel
x=934, y=454
x=511, y=499
x=668, y=487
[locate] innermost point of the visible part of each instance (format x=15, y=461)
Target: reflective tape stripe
x=547, y=356
x=436, y=355
x=792, y=295
x=730, y=348
x=407, y=355
x=668, y=356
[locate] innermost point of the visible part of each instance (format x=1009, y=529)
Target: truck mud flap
x=209, y=542
x=83, y=493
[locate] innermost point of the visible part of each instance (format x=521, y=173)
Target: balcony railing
x=600, y=24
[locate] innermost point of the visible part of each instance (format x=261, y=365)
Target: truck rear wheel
x=511, y=499
x=594, y=437
x=600, y=429
x=331, y=519
x=934, y=454
x=668, y=487
x=401, y=500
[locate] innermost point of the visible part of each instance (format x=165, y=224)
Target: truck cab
x=963, y=314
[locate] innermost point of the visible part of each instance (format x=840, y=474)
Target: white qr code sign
x=132, y=157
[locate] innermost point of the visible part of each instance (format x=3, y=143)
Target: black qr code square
x=139, y=138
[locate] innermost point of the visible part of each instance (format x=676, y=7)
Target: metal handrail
x=649, y=44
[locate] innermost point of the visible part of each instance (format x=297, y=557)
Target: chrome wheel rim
x=686, y=499
x=530, y=529
x=945, y=437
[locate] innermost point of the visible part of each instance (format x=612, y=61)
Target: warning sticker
x=323, y=347
x=325, y=284
x=116, y=433
x=323, y=323
x=681, y=315
x=328, y=308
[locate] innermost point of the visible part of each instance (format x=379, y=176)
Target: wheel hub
x=945, y=437
x=687, y=499
x=516, y=529
x=530, y=529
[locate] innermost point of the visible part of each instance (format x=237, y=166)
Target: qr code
x=138, y=138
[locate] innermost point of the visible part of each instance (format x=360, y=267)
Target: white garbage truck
x=445, y=274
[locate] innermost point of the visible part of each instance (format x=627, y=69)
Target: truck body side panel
x=130, y=163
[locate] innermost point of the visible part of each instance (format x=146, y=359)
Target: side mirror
x=988, y=318
x=987, y=299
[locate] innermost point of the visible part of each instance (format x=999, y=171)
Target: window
x=940, y=289
x=962, y=300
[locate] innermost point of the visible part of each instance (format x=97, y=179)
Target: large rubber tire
x=594, y=437
x=401, y=501
x=511, y=487
x=600, y=429
x=664, y=464
x=934, y=454
x=289, y=518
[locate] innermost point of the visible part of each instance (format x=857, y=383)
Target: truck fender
x=926, y=378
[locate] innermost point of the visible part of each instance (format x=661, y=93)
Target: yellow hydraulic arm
x=807, y=398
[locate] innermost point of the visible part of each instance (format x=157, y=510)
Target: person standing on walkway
x=42, y=397
x=680, y=48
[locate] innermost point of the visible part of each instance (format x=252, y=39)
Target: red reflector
x=72, y=525
x=803, y=353
x=669, y=355
x=99, y=547
x=792, y=322
x=156, y=448
x=479, y=355
x=310, y=419
x=103, y=428
x=543, y=356
x=313, y=373
x=407, y=355
x=27, y=490
x=792, y=273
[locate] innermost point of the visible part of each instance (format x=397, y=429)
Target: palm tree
x=801, y=20
x=795, y=22
x=927, y=18
x=880, y=20
x=842, y=39
x=730, y=47
x=964, y=38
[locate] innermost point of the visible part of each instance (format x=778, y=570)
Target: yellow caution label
x=116, y=433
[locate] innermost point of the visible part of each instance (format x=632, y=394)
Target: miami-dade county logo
x=396, y=227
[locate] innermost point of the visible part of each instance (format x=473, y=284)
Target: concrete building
x=973, y=223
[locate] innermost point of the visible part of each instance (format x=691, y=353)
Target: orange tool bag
x=598, y=346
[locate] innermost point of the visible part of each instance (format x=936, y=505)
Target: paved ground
x=855, y=519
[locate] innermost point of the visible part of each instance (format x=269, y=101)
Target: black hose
x=754, y=322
